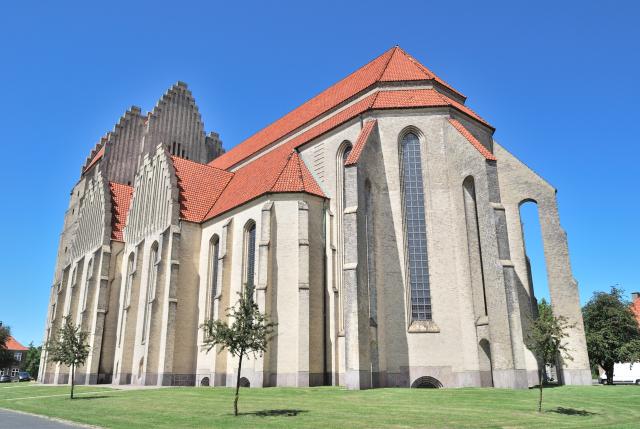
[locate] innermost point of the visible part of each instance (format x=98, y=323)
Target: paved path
x=13, y=420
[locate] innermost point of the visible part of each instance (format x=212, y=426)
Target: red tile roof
x=363, y=137
x=206, y=191
x=392, y=66
x=403, y=67
x=209, y=190
x=95, y=159
x=409, y=98
x=13, y=345
x=635, y=307
x=200, y=186
x=280, y=170
x=259, y=176
x=296, y=177
x=467, y=135
x=120, y=202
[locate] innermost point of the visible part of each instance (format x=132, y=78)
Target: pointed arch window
x=151, y=288
x=415, y=227
x=126, y=293
x=214, y=253
x=87, y=284
x=250, y=256
x=129, y=281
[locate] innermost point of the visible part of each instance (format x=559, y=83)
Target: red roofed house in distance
x=19, y=354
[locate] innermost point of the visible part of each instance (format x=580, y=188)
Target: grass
x=332, y=407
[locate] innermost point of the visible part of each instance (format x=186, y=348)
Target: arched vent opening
x=244, y=382
x=204, y=382
x=426, y=383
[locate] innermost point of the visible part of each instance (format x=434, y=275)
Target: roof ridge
x=219, y=196
x=464, y=132
x=284, y=167
x=386, y=66
x=227, y=177
x=422, y=67
x=304, y=186
x=428, y=71
x=363, y=73
x=201, y=164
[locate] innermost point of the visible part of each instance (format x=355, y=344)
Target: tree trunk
x=609, y=371
x=73, y=376
x=540, y=387
x=235, y=400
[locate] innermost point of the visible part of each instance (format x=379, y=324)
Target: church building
x=378, y=224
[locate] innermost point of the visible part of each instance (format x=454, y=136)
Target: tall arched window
x=129, y=280
x=250, y=256
x=343, y=154
x=151, y=288
x=72, y=285
x=415, y=227
x=87, y=283
x=126, y=298
x=214, y=252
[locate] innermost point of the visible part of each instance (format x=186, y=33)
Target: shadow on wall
x=392, y=329
x=271, y=355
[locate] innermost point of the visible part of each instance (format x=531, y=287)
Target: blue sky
x=558, y=80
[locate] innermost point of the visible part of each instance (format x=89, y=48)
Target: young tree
x=69, y=347
x=545, y=340
x=32, y=360
x=248, y=334
x=612, y=331
x=6, y=356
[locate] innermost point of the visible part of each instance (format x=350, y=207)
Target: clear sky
x=559, y=81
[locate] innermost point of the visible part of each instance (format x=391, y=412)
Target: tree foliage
x=248, y=334
x=612, y=331
x=545, y=340
x=6, y=356
x=32, y=360
x=69, y=347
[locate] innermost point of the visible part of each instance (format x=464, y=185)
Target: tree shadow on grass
x=572, y=412
x=80, y=398
x=545, y=386
x=274, y=413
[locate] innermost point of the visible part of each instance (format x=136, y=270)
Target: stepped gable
x=199, y=186
x=471, y=139
x=395, y=65
x=362, y=140
x=119, y=147
x=120, y=201
x=175, y=119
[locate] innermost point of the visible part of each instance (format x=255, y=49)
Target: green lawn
x=331, y=407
